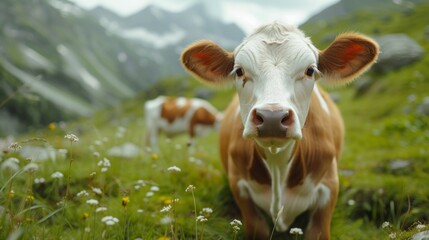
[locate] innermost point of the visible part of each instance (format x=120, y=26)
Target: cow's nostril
x=286, y=119
x=258, y=119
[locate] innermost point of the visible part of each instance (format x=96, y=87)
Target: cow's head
x=274, y=71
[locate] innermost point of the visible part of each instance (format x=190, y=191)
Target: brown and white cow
x=173, y=116
x=282, y=136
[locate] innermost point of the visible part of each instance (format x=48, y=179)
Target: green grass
x=379, y=131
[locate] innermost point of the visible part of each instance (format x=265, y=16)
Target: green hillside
x=383, y=127
x=383, y=132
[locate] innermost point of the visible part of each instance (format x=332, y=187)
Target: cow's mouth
x=274, y=145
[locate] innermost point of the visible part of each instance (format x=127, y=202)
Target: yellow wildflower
x=30, y=198
x=125, y=201
x=85, y=215
x=164, y=238
x=155, y=156
x=11, y=193
x=52, y=126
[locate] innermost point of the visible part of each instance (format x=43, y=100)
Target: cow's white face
x=274, y=77
x=274, y=71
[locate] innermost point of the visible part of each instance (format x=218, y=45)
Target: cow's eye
x=239, y=72
x=309, y=72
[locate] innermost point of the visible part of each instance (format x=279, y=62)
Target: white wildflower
x=104, y=162
x=420, y=226
x=101, y=209
x=71, y=137
x=11, y=164
x=351, y=202
x=15, y=146
x=92, y=174
x=166, y=220
x=92, y=202
x=236, y=225
x=82, y=193
x=190, y=188
x=236, y=222
x=235, y=229
x=141, y=182
x=57, y=175
x=96, y=154
x=201, y=219
x=149, y=194
x=207, y=211
x=174, y=169
x=87, y=229
x=154, y=188
x=62, y=153
x=136, y=187
x=385, y=225
x=97, y=190
x=31, y=167
x=109, y=220
x=166, y=209
x=104, y=169
x=297, y=231
x=392, y=235
x=39, y=180
x=139, y=210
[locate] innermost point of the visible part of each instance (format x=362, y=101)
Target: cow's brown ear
x=208, y=62
x=348, y=56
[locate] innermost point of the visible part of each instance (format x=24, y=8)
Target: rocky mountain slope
x=58, y=60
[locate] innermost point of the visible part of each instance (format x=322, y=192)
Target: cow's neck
x=277, y=164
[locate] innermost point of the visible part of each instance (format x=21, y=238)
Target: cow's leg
x=153, y=139
x=191, y=141
x=255, y=225
x=191, y=146
x=320, y=223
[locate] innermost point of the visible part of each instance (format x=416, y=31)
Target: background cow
x=282, y=136
x=174, y=116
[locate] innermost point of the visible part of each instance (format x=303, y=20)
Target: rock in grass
x=399, y=164
x=421, y=236
x=423, y=108
x=397, y=50
x=396, y=167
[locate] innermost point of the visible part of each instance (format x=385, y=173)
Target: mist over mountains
x=58, y=60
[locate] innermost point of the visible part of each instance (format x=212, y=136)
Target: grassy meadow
x=105, y=184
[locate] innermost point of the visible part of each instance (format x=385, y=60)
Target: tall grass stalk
x=275, y=222
x=72, y=138
x=191, y=189
x=125, y=201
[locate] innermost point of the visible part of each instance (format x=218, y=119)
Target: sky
x=248, y=14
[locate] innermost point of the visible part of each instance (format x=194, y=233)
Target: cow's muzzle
x=272, y=121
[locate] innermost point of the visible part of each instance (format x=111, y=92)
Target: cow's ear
x=208, y=62
x=348, y=56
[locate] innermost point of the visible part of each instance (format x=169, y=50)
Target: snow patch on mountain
x=157, y=40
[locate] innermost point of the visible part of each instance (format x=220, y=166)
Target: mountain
x=345, y=8
x=160, y=28
x=59, y=61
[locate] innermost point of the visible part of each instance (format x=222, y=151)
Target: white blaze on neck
x=322, y=101
x=277, y=166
